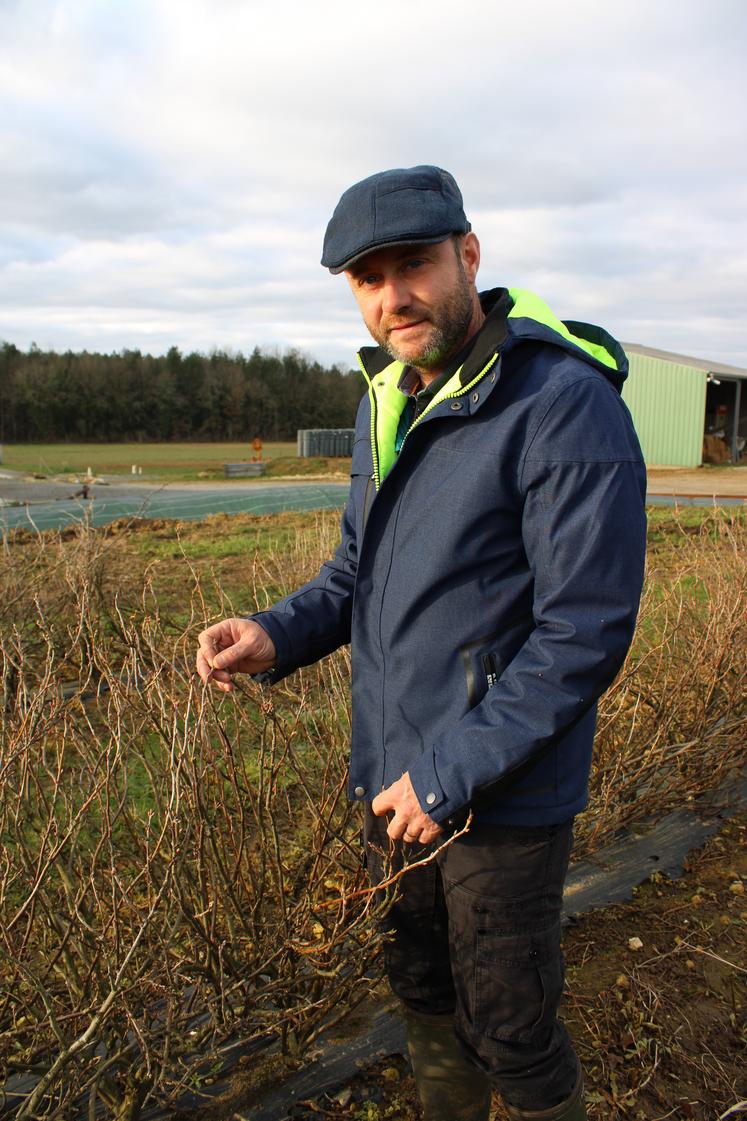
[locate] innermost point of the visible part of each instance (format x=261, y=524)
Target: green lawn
x=171, y=461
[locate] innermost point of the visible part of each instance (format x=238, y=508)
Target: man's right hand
x=233, y=646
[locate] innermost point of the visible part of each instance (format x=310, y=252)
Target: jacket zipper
x=446, y=397
x=449, y=396
x=489, y=669
x=374, y=447
x=490, y=665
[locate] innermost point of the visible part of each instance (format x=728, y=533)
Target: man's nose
x=395, y=296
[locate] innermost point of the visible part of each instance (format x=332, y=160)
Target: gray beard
x=448, y=334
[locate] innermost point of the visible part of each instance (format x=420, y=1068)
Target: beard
x=450, y=321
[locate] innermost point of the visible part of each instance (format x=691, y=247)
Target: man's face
x=419, y=301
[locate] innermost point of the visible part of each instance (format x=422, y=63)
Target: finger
x=212, y=645
x=219, y=634
x=224, y=686
x=231, y=656
x=205, y=657
x=382, y=804
x=205, y=661
x=397, y=827
x=203, y=666
x=208, y=647
x=220, y=678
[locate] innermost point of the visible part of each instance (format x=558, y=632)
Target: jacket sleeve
x=582, y=496
x=315, y=620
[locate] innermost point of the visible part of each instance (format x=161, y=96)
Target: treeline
x=50, y=397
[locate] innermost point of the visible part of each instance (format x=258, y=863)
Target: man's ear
x=469, y=250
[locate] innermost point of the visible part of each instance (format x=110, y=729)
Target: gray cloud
x=169, y=166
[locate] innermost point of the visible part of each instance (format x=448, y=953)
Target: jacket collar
x=475, y=354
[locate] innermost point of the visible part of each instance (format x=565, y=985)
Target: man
x=488, y=580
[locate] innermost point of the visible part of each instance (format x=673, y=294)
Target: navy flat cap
x=407, y=205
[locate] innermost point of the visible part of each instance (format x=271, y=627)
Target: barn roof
x=687, y=360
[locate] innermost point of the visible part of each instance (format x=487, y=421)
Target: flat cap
x=407, y=205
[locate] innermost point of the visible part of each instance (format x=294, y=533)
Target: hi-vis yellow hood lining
x=529, y=306
x=388, y=401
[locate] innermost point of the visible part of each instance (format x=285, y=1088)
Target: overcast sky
x=167, y=167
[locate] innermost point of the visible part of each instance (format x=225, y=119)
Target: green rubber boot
x=450, y=1088
x=572, y=1109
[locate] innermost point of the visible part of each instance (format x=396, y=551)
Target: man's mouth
x=405, y=326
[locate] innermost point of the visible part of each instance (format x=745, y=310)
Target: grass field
x=169, y=461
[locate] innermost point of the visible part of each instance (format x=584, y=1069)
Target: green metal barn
x=677, y=400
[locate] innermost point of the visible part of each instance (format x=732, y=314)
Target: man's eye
x=415, y=263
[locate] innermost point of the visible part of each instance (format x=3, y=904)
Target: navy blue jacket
x=488, y=576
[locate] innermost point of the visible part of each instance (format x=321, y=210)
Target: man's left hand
x=409, y=821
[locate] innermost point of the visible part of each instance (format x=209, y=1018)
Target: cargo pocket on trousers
x=518, y=981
